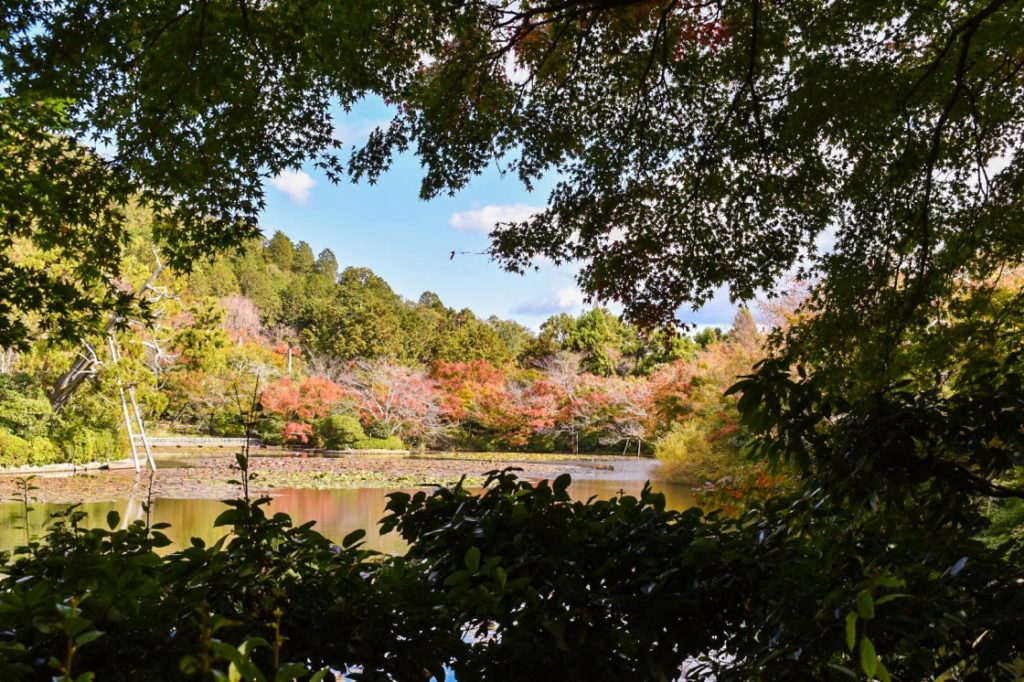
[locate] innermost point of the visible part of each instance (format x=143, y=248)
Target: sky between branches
x=409, y=242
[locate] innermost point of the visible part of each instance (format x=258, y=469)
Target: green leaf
x=865, y=605
x=457, y=578
x=868, y=657
x=290, y=671
x=561, y=484
x=86, y=637
x=113, y=519
x=843, y=669
x=228, y=517
x=352, y=538
x=891, y=581
x=851, y=630
x=160, y=540
x=501, y=576
x=472, y=559
x=189, y=665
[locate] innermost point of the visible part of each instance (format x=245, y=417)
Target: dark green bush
x=272, y=597
x=226, y=424
x=339, y=431
x=24, y=409
x=14, y=451
x=80, y=444
x=271, y=430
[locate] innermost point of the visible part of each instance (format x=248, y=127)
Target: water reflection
x=336, y=512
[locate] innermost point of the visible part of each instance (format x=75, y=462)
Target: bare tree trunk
x=8, y=360
x=81, y=369
x=83, y=366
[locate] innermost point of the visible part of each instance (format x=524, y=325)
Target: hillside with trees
x=338, y=360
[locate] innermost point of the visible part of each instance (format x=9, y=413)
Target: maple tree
x=311, y=398
x=402, y=401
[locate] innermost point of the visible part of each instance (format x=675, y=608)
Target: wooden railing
x=200, y=442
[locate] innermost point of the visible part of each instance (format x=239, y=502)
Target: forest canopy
x=724, y=143
x=868, y=154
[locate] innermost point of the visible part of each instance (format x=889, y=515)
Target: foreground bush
x=519, y=582
x=276, y=598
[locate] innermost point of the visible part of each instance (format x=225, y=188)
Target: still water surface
x=336, y=512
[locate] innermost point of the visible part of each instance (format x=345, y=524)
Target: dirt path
x=208, y=476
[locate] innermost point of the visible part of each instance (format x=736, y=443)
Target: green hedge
x=24, y=409
x=17, y=452
x=389, y=443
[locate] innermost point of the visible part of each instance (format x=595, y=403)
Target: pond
x=335, y=511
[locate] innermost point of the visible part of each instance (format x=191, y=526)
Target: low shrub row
x=32, y=434
x=518, y=582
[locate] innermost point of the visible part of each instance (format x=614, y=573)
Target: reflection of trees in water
x=336, y=512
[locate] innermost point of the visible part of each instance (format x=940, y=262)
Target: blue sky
x=408, y=242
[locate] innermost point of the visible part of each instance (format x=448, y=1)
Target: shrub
x=80, y=444
x=329, y=606
x=694, y=451
x=44, y=451
x=36, y=451
x=376, y=430
x=519, y=577
x=271, y=430
x=389, y=443
x=227, y=424
x=297, y=433
x=541, y=442
x=24, y=409
x=14, y=451
x=339, y=431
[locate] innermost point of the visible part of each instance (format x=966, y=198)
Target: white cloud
x=296, y=184
x=566, y=299
x=484, y=219
x=718, y=312
x=356, y=131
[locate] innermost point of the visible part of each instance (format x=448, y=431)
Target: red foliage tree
x=312, y=398
x=403, y=400
x=487, y=401
x=296, y=432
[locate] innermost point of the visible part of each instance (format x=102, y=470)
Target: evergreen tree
x=304, y=261
x=327, y=265
x=280, y=251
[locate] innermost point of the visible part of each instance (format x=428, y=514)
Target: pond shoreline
x=206, y=476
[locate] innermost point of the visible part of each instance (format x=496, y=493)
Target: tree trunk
x=83, y=366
